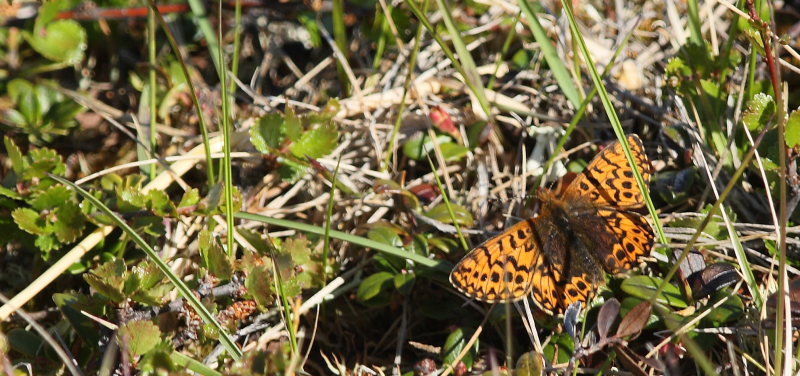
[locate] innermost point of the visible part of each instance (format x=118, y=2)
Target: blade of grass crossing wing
x=556, y=64
x=614, y=119
x=187, y=294
x=582, y=110
x=695, y=350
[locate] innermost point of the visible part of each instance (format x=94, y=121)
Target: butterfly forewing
x=608, y=180
x=502, y=268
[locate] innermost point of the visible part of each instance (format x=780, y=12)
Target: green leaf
x=159, y=361
x=25, y=342
x=793, y=129
x=454, y=345
x=293, y=128
x=138, y=337
x=131, y=199
x=259, y=284
x=759, y=112
x=268, y=133
x=298, y=248
x=29, y=221
x=292, y=171
x=731, y=310
x=69, y=223
x=440, y=213
x=160, y=203
x=644, y=287
x=62, y=41
x=530, y=364
x=44, y=160
x=317, y=142
x=219, y=265
x=46, y=243
x=453, y=152
x=73, y=305
x=375, y=289
x=385, y=234
x=18, y=163
x=108, y=279
x=404, y=282
x=190, y=197
x=420, y=145
x=53, y=197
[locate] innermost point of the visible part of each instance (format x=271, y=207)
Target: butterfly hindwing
x=633, y=237
x=502, y=268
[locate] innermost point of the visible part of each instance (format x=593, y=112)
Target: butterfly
x=560, y=256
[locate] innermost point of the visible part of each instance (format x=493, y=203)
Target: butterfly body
x=560, y=256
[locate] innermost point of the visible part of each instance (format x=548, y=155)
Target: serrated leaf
x=219, y=265
x=292, y=126
x=190, y=197
x=62, y=41
x=268, y=133
x=259, y=284
x=644, y=287
x=131, y=199
x=53, y=197
x=42, y=161
x=299, y=250
x=375, y=288
x=759, y=111
x=18, y=163
x=46, y=243
x=138, y=337
x=793, y=129
x=317, y=142
x=29, y=221
x=69, y=223
x=10, y=193
x=108, y=279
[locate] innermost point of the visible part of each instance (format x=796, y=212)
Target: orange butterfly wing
x=608, y=180
x=557, y=265
x=505, y=268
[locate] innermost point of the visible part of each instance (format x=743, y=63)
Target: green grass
x=215, y=267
